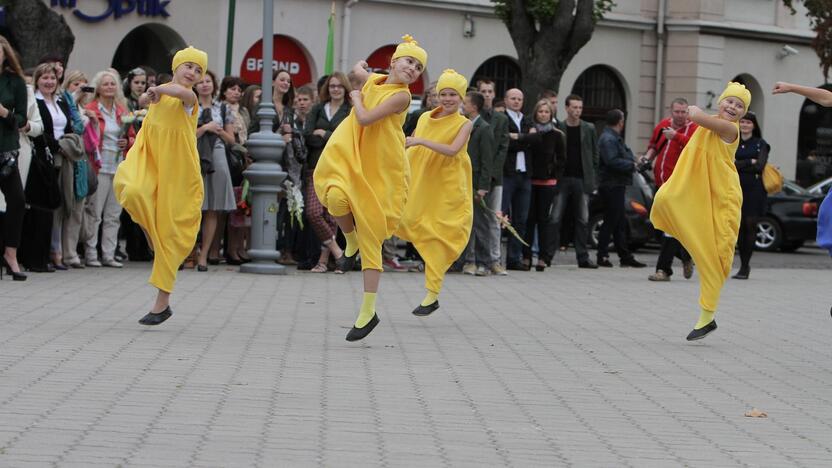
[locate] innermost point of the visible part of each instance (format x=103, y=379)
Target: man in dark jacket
x=517, y=184
x=615, y=174
x=481, y=150
x=499, y=127
x=578, y=180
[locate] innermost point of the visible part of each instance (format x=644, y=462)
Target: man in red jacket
x=669, y=139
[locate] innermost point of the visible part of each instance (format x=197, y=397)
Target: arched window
x=150, y=44
x=814, y=142
x=501, y=69
x=601, y=91
x=758, y=96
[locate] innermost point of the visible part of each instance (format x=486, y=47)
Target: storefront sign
x=380, y=61
x=117, y=9
x=288, y=55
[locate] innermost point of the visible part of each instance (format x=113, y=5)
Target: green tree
x=547, y=35
x=820, y=16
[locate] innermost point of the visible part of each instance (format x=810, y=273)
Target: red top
x=667, y=153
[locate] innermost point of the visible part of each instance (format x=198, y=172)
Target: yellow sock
x=368, y=309
x=430, y=298
x=705, y=317
x=352, y=243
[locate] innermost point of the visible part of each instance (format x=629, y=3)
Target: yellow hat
x=453, y=80
x=190, y=54
x=410, y=48
x=739, y=91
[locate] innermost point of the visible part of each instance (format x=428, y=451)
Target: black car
x=638, y=200
x=791, y=219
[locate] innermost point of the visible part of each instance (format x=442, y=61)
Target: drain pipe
x=660, y=38
x=345, y=34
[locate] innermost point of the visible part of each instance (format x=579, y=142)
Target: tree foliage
x=547, y=35
x=820, y=16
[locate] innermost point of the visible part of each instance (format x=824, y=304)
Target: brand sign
x=288, y=55
x=116, y=9
x=380, y=60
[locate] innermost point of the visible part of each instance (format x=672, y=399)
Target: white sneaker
x=483, y=271
x=93, y=263
x=112, y=263
x=469, y=269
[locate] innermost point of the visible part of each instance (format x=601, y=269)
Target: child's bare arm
x=726, y=130
x=360, y=71
x=441, y=148
x=818, y=95
x=182, y=93
x=393, y=105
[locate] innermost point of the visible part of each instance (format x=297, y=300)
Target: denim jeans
x=572, y=192
x=517, y=192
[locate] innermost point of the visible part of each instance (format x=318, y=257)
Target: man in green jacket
x=499, y=127
x=481, y=150
x=579, y=177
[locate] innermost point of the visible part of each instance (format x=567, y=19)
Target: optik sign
x=116, y=9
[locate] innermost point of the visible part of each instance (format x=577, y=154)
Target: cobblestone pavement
x=562, y=368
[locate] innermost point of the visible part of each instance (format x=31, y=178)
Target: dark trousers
x=540, y=220
x=36, y=239
x=747, y=238
x=517, y=191
x=614, y=222
x=12, y=190
x=670, y=248
x=571, y=193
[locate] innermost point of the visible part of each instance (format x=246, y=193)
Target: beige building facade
x=693, y=46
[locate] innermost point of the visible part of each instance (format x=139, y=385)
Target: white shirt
x=110, y=154
x=59, y=120
x=517, y=117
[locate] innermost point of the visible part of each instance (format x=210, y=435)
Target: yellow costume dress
x=160, y=185
x=439, y=212
x=363, y=171
x=700, y=206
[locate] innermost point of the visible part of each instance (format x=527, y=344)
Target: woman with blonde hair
x=108, y=108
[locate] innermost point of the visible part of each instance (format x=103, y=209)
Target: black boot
x=743, y=273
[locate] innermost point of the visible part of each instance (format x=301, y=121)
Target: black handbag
x=8, y=162
x=42, y=189
x=205, y=145
x=235, y=155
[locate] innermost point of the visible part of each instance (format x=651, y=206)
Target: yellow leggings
x=338, y=205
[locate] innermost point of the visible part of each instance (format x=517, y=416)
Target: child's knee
x=337, y=202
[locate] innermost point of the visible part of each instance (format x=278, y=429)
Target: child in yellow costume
x=700, y=203
x=159, y=183
x=361, y=177
x=439, y=212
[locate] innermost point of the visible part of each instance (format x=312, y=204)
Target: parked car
x=791, y=219
x=638, y=201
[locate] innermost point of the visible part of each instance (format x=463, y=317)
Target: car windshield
x=821, y=187
x=791, y=188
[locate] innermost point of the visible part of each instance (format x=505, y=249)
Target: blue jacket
x=617, y=160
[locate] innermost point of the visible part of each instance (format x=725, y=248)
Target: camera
x=87, y=89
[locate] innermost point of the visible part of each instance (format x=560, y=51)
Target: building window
x=503, y=70
x=814, y=142
x=601, y=91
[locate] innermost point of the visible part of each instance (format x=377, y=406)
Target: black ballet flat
x=156, y=319
x=345, y=263
x=424, y=311
x=356, y=334
x=202, y=268
x=702, y=332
